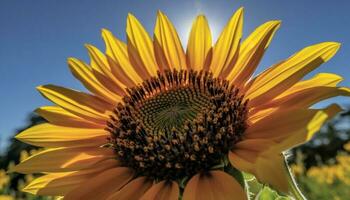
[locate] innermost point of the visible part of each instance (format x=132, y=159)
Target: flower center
x=177, y=124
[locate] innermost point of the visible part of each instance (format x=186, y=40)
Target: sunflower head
x=164, y=123
x=178, y=124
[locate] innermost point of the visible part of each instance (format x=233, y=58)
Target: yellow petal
x=213, y=185
x=98, y=60
x=78, y=103
x=63, y=159
x=120, y=74
x=319, y=80
x=199, y=44
x=102, y=185
x=85, y=75
x=295, y=126
x=302, y=136
x=242, y=160
x=308, y=97
x=164, y=190
x=55, y=184
x=141, y=46
x=282, y=76
x=117, y=77
x=167, y=45
x=251, y=52
x=270, y=170
x=48, y=135
x=254, y=156
x=226, y=49
x=258, y=114
x=117, y=50
x=58, y=116
x=133, y=190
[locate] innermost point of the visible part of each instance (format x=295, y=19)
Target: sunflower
x=164, y=123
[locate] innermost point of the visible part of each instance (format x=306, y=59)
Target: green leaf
x=267, y=194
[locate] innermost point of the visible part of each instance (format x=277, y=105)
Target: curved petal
x=282, y=76
x=102, y=185
x=245, y=153
x=308, y=97
x=78, y=103
x=140, y=46
x=297, y=124
x=319, y=80
x=226, y=49
x=304, y=89
x=63, y=159
x=117, y=50
x=120, y=74
x=251, y=52
x=85, y=75
x=242, y=160
x=270, y=170
x=167, y=45
x=58, y=116
x=254, y=156
x=133, y=190
x=199, y=44
x=301, y=136
x=118, y=80
x=56, y=184
x=164, y=190
x=48, y=135
x=213, y=185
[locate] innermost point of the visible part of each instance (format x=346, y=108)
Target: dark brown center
x=177, y=124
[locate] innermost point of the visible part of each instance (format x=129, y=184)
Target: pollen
x=177, y=124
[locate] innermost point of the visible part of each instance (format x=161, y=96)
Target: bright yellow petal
x=199, y=44
x=167, y=45
x=251, y=52
x=78, y=103
x=117, y=50
x=308, y=97
x=48, y=135
x=319, y=80
x=102, y=65
x=85, y=75
x=102, y=185
x=296, y=125
x=309, y=89
x=213, y=185
x=141, y=46
x=226, y=49
x=55, y=184
x=120, y=74
x=164, y=190
x=63, y=159
x=133, y=190
x=58, y=116
x=302, y=136
x=282, y=76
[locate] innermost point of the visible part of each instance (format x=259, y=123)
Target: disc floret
x=177, y=124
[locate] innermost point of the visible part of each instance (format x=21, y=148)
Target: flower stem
x=295, y=191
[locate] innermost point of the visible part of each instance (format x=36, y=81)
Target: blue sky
x=37, y=36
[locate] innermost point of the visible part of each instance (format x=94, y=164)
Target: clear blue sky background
x=36, y=37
